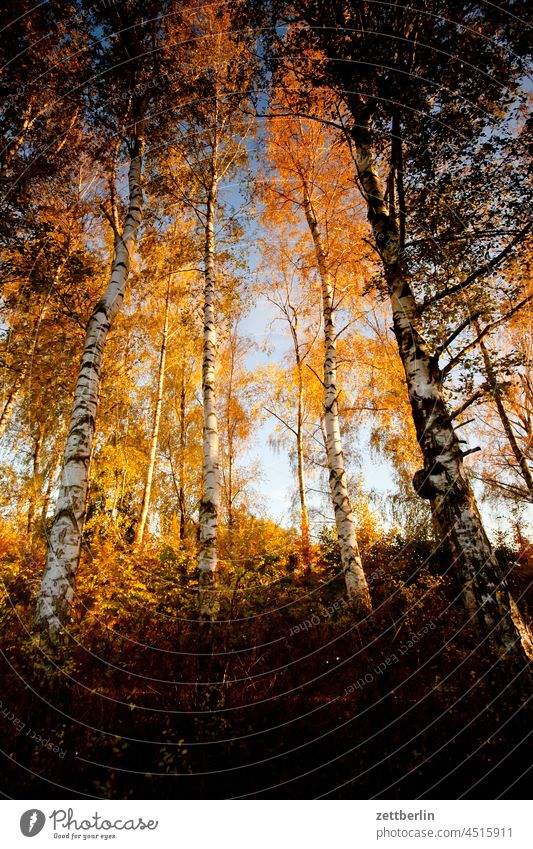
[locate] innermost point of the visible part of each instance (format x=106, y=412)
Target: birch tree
x=354, y=576
x=181, y=436
x=357, y=110
x=168, y=279
x=304, y=177
x=64, y=546
x=65, y=540
x=293, y=306
x=240, y=414
x=139, y=533
x=211, y=147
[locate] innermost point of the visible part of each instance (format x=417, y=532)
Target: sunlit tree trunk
x=34, y=482
x=64, y=546
x=181, y=480
x=354, y=576
x=443, y=479
x=210, y=503
x=229, y=433
x=139, y=534
x=8, y=407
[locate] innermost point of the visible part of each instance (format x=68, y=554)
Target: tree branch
x=467, y=403
x=453, y=362
x=291, y=114
x=315, y=374
x=457, y=332
x=283, y=422
x=483, y=269
x=462, y=424
x=470, y=451
x=116, y=231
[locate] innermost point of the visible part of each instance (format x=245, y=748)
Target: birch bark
x=443, y=479
x=210, y=503
x=181, y=488
x=139, y=533
x=354, y=576
x=230, y=446
x=64, y=545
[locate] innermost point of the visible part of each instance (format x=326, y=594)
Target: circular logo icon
x=32, y=822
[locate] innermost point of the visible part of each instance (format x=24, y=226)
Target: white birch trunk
x=139, y=533
x=443, y=479
x=64, y=545
x=210, y=504
x=304, y=512
x=230, y=447
x=181, y=483
x=354, y=576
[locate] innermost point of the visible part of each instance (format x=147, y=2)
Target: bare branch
x=462, y=424
x=471, y=451
x=283, y=422
x=304, y=115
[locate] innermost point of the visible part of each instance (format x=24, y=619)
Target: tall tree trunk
x=139, y=533
x=8, y=406
x=443, y=478
x=300, y=464
x=496, y=393
x=181, y=482
x=230, y=489
x=231, y=453
x=64, y=546
x=354, y=576
x=34, y=483
x=304, y=513
x=210, y=503
x=52, y=476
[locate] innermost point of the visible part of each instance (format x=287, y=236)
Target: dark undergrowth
x=286, y=697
